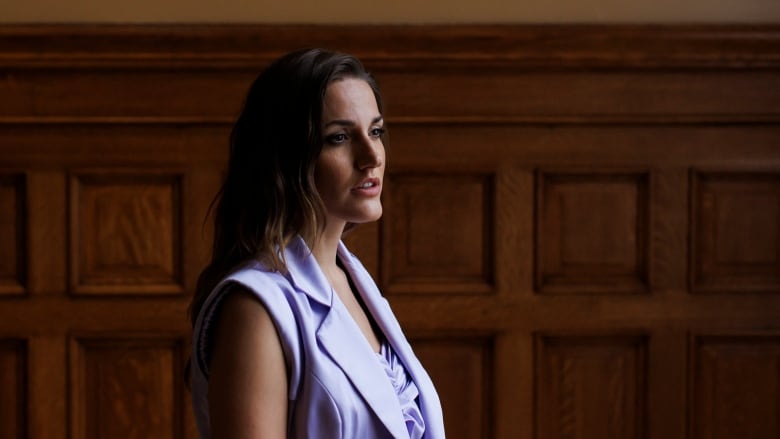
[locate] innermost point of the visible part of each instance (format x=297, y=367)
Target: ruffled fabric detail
x=405, y=389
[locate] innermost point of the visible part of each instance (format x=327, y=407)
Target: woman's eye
x=377, y=132
x=334, y=139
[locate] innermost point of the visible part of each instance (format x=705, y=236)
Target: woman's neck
x=326, y=247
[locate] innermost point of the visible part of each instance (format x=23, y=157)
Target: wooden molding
x=388, y=46
x=66, y=75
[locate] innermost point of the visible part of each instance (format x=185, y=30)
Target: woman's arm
x=248, y=377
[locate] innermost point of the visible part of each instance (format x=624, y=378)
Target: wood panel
x=575, y=216
x=462, y=367
x=429, y=212
x=126, y=387
x=589, y=386
x=736, y=232
x=13, y=389
x=13, y=261
x=481, y=96
x=736, y=386
x=592, y=232
x=125, y=232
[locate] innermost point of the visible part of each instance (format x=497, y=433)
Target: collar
x=305, y=274
x=339, y=335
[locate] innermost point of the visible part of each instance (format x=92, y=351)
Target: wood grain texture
x=48, y=370
x=592, y=232
x=462, y=367
x=591, y=386
x=126, y=387
x=736, y=231
x=438, y=233
x=736, y=386
x=48, y=236
x=13, y=232
x=538, y=46
x=126, y=232
x=614, y=135
x=13, y=389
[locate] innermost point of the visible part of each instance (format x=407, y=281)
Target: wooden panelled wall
x=581, y=236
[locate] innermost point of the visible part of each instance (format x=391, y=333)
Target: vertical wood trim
x=48, y=387
x=514, y=233
x=48, y=238
x=14, y=394
x=13, y=190
x=669, y=232
x=513, y=382
x=667, y=383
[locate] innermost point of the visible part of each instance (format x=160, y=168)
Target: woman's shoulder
x=258, y=274
x=251, y=278
x=255, y=271
x=250, y=293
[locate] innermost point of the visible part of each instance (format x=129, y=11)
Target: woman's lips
x=368, y=187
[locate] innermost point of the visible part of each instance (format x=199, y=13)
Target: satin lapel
x=380, y=310
x=340, y=336
x=305, y=274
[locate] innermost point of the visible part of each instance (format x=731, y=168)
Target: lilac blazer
x=337, y=386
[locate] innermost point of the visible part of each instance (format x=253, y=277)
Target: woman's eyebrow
x=348, y=122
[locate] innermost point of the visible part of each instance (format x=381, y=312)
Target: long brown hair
x=268, y=196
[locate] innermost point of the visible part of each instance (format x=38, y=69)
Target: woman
x=291, y=335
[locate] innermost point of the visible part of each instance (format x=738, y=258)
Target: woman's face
x=348, y=172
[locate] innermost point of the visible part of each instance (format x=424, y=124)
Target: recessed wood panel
x=12, y=234
x=125, y=387
x=462, y=371
x=126, y=232
x=13, y=389
x=736, y=232
x=592, y=232
x=736, y=387
x=590, y=386
x=438, y=233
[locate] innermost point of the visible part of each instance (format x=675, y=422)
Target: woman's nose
x=370, y=153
